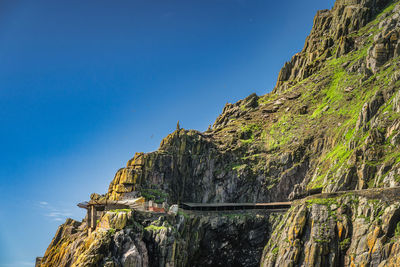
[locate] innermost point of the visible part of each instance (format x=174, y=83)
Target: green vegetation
x=316, y=182
x=156, y=195
x=275, y=251
x=247, y=133
x=120, y=210
x=153, y=227
x=388, y=9
x=321, y=201
x=184, y=214
x=322, y=240
x=281, y=132
x=345, y=244
x=239, y=167
x=397, y=230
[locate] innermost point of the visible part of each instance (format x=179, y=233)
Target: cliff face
x=127, y=238
x=351, y=229
x=329, y=36
x=335, y=130
x=332, y=123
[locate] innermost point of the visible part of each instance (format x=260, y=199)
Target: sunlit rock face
x=142, y=239
x=332, y=124
x=346, y=230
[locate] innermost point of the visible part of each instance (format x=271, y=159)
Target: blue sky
x=86, y=84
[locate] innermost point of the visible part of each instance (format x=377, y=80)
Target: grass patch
x=239, y=167
x=248, y=132
x=153, y=227
x=322, y=201
x=120, y=210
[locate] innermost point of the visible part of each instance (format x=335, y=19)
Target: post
x=93, y=217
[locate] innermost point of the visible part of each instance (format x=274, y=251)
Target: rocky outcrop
x=190, y=167
x=346, y=230
x=331, y=27
x=386, y=43
x=262, y=148
x=369, y=110
x=230, y=239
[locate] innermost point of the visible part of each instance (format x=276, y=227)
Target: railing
x=235, y=206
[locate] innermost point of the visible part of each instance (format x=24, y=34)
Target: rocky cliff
x=331, y=124
x=132, y=238
x=360, y=228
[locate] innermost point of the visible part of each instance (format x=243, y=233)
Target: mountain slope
x=331, y=124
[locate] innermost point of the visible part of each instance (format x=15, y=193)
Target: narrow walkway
x=234, y=206
x=389, y=194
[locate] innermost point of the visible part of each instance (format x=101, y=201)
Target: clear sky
x=86, y=84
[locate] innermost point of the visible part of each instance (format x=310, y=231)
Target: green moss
x=120, y=210
x=282, y=132
x=251, y=157
x=248, y=133
x=322, y=240
x=317, y=182
x=345, y=244
x=388, y=9
x=239, y=167
x=275, y=251
x=397, y=231
x=182, y=213
x=247, y=141
x=152, y=227
x=339, y=153
x=321, y=201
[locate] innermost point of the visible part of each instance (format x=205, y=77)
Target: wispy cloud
x=18, y=263
x=54, y=213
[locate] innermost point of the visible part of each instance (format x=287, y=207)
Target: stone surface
x=326, y=235
x=331, y=124
x=231, y=239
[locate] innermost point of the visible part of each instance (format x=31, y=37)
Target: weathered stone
x=369, y=110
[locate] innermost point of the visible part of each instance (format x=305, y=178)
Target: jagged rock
x=270, y=109
x=251, y=101
x=173, y=210
x=115, y=220
x=386, y=43
x=190, y=240
x=330, y=27
x=346, y=44
x=369, y=110
x=293, y=96
x=335, y=236
x=396, y=102
x=395, y=76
